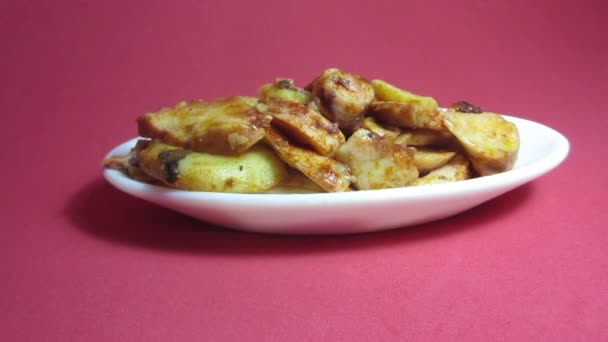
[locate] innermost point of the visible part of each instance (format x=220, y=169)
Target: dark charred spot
x=465, y=107
x=373, y=136
x=284, y=84
x=229, y=183
x=344, y=82
x=169, y=163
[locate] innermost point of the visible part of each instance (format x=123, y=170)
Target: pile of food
x=339, y=133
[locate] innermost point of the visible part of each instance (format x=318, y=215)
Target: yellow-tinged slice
x=255, y=170
x=425, y=137
x=286, y=90
x=387, y=92
x=371, y=124
x=427, y=160
x=490, y=141
x=406, y=115
x=455, y=170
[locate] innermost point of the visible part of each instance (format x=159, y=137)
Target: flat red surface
x=81, y=261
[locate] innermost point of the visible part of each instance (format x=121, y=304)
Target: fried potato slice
x=225, y=126
x=296, y=183
x=399, y=107
x=406, y=115
x=303, y=125
x=328, y=173
x=490, y=141
x=371, y=124
x=387, y=92
x=376, y=162
x=425, y=137
x=255, y=170
x=284, y=89
x=427, y=159
x=455, y=170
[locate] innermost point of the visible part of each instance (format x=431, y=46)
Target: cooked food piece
x=255, y=170
x=427, y=160
x=399, y=107
x=464, y=107
x=456, y=169
x=387, y=92
x=406, y=115
x=296, y=183
x=425, y=137
x=342, y=98
x=328, y=173
x=303, y=125
x=490, y=141
x=376, y=162
x=371, y=124
x=284, y=89
x=229, y=125
x=129, y=163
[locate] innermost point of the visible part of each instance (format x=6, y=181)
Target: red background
x=81, y=261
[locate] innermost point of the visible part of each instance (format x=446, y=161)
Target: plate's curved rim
x=521, y=174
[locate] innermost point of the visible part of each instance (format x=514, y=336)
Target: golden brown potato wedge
x=406, y=115
x=225, y=126
x=455, y=170
x=376, y=162
x=328, y=173
x=303, y=125
x=490, y=141
x=427, y=159
x=284, y=89
x=255, y=170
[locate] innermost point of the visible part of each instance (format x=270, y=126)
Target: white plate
x=542, y=149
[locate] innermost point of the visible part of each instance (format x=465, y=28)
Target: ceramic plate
x=541, y=150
